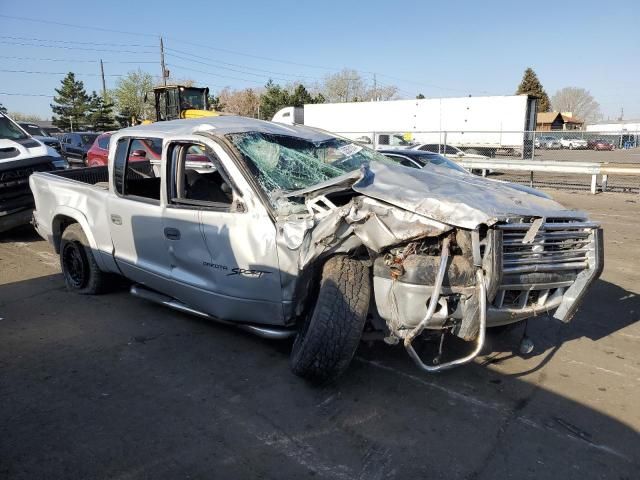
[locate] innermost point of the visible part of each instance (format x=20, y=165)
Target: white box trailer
x=482, y=124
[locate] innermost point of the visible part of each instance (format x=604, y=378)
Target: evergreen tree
x=100, y=116
x=420, y=96
x=71, y=104
x=273, y=99
x=530, y=85
x=124, y=117
x=301, y=96
x=3, y=109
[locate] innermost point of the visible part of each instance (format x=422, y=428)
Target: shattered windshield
x=283, y=163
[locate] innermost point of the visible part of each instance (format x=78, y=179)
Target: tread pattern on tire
x=330, y=336
x=97, y=278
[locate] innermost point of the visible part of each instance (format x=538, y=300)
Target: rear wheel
x=79, y=268
x=331, y=333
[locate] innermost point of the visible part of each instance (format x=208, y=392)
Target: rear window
x=33, y=129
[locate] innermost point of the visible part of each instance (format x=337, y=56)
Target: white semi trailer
x=483, y=125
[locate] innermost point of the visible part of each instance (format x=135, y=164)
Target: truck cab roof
x=222, y=125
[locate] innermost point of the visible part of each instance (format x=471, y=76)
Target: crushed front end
x=464, y=281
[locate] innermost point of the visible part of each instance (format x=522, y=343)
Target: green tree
x=3, y=109
x=273, y=99
x=530, y=85
x=301, y=97
x=125, y=117
x=100, y=117
x=130, y=94
x=420, y=96
x=70, y=104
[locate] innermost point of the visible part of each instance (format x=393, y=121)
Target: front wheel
x=330, y=334
x=79, y=268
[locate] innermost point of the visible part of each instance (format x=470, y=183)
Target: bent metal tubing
x=482, y=292
x=435, y=295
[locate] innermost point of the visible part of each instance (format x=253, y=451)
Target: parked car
x=39, y=134
x=600, y=144
x=76, y=145
x=295, y=232
x=20, y=156
x=142, y=150
x=547, y=142
x=573, y=143
x=420, y=159
x=448, y=151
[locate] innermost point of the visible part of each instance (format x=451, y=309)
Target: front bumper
x=524, y=280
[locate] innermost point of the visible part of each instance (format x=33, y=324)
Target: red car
x=600, y=144
x=141, y=150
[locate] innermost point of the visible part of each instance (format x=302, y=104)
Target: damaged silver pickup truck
x=289, y=231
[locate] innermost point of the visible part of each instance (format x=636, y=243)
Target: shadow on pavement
x=115, y=387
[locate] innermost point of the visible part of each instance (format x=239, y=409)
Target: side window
x=195, y=178
x=383, y=139
x=451, y=150
x=430, y=148
x=133, y=174
x=103, y=143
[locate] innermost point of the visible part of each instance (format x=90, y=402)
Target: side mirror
x=460, y=154
x=139, y=154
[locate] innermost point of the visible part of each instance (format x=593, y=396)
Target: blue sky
x=436, y=48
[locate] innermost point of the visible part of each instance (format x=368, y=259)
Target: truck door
x=221, y=242
x=135, y=219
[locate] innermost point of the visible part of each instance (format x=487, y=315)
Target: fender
x=78, y=216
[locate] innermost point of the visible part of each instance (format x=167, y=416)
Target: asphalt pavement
x=115, y=387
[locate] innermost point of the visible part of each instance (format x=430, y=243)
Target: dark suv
x=76, y=145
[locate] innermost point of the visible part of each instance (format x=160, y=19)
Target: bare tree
x=382, y=92
x=344, y=86
x=240, y=102
x=578, y=101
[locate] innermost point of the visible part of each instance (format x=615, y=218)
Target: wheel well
x=60, y=224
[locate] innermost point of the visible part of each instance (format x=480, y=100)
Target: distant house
x=548, y=121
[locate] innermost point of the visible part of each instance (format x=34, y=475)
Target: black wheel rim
x=75, y=264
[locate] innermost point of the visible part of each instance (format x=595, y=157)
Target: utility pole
x=104, y=85
x=164, y=71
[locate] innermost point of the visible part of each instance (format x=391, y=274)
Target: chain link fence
x=608, y=148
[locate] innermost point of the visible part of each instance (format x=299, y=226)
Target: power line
x=234, y=52
x=213, y=74
x=270, y=72
x=85, y=27
x=77, y=42
x=260, y=75
x=22, y=44
x=26, y=94
x=74, y=60
x=61, y=73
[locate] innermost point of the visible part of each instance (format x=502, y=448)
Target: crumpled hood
x=454, y=198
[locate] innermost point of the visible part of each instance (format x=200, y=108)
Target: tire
x=330, y=335
x=79, y=268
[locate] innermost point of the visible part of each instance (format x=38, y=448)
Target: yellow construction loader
x=173, y=102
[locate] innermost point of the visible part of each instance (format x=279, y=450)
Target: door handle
x=117, y=219
x=172, y=233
